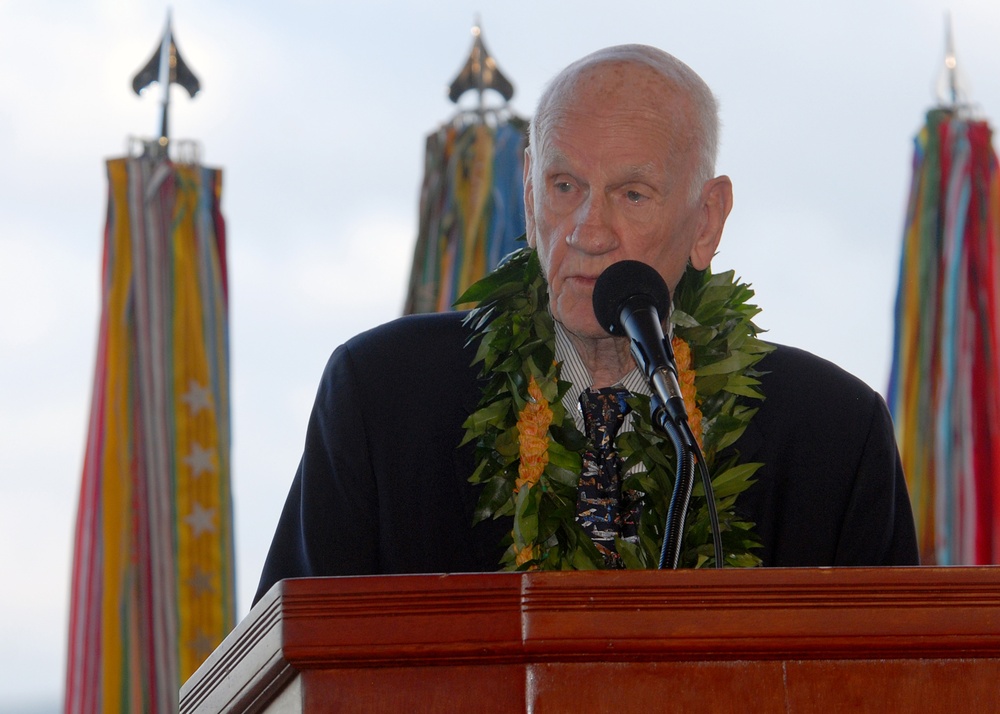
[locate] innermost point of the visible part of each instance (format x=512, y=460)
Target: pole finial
x=480, y=72
x=951, y=86
x=166, y=67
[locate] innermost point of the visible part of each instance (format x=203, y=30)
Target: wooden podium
x=765, y=640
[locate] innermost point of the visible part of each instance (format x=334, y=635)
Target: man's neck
x=607, y=360
x=576, y=373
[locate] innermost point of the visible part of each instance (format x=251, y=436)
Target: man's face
x=612, y=182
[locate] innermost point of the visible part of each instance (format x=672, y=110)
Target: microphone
x=629, y=299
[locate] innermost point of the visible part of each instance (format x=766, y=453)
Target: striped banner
x=944, y=389
x=471, y=210
x=153, y=581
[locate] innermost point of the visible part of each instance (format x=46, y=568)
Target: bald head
x=688, y=106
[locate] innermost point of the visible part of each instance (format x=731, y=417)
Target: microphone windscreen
x=622, y=281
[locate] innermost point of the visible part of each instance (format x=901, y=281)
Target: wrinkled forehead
x=606, y=87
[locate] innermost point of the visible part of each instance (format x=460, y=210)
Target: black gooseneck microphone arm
x=673, y=528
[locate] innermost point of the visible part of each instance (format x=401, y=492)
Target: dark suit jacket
x=382, y=488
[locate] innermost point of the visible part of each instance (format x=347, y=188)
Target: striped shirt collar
x=576, y=373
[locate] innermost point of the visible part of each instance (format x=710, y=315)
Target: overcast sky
x=317, y=114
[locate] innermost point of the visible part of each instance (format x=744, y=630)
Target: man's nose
x=594, y=231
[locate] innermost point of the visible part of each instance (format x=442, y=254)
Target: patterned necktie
x=601, y=508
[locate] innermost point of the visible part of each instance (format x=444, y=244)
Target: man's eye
x=564, y=186
x=634, y=196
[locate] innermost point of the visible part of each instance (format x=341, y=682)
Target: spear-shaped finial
x=951, y=86
x=480, y=72
x=166, y=67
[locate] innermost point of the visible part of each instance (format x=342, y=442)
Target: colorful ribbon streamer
x=153, y=581
x=471, y=210
x=944, y=389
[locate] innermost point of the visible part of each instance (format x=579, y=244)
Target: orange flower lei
x=533, y=437
x=525, y=555
x=685, y=375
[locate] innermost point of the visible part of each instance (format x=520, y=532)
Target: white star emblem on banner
x=200, y=460
x=201, y=519
x=201, y=582
x=197, y=397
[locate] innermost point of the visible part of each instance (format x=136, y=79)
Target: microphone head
x=620, y=283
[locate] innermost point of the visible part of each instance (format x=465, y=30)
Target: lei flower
x=528, y=451
x=533, y=437
x=685, y=375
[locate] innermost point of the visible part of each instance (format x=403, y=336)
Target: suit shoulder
x=413, y=328
x=441, y=330
x=410, y=346
x=790, y=371
x=808, y=395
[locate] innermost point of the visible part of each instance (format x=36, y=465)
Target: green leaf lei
x=516, y=341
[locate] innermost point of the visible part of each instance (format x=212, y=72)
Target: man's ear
x=529, y=200
x=717, y=202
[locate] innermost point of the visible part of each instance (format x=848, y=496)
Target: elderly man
x=620, y=166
